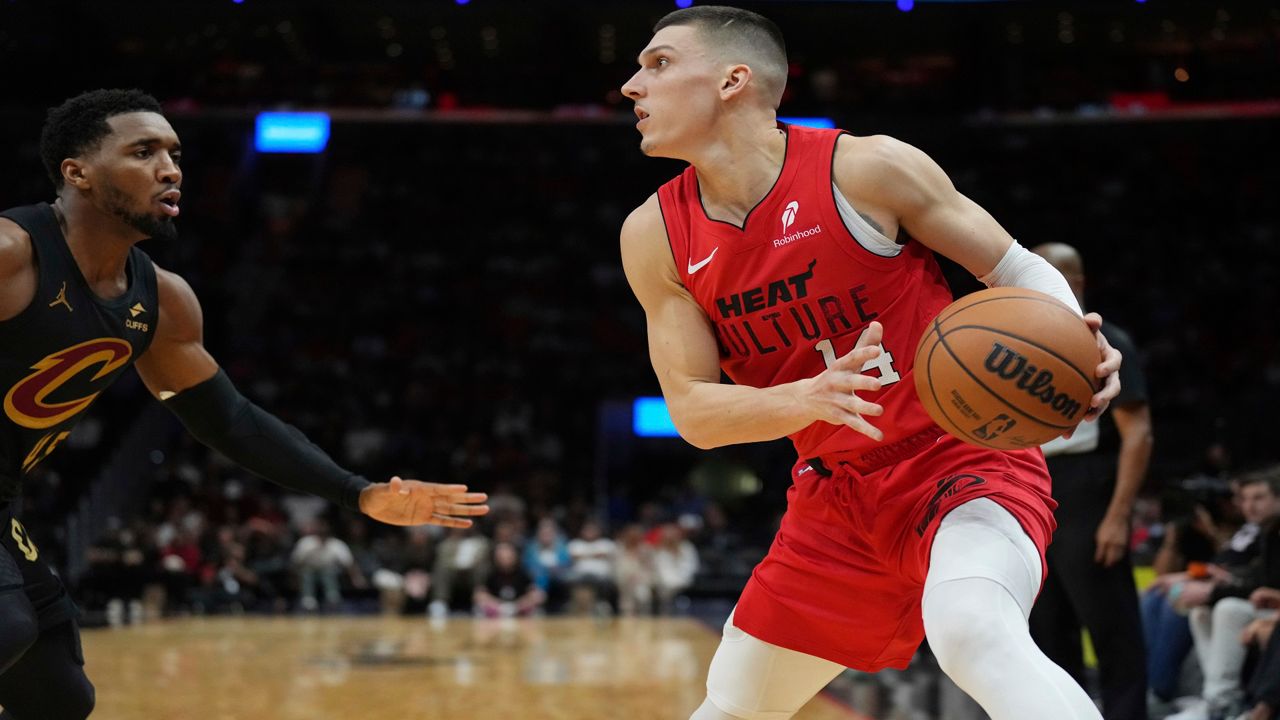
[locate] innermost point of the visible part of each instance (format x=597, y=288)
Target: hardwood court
x=401, y=669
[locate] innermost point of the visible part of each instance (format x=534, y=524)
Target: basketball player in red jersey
x=800, y=262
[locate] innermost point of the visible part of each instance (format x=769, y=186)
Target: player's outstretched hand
x=832, y=395
x=412, y=502
x=1108, y=371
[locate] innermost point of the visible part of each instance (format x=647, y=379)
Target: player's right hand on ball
x=832, y=396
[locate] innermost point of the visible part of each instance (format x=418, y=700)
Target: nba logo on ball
x=1006, y=368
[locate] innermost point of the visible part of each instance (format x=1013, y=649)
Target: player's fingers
x=857, y=423
x=871, y=336
x=450, y=489
x=858, y=406
x=1111, y=357
x=1099, y=402
x=399, y=486
x=864, y=383
x=452, y=509
x=1094, y=321
x=1111, y=362
x=446, y=521
x=464, y=498
x=1111, y=555
x=853, y=360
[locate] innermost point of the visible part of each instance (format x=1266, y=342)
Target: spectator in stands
x=1219, y=609
x=227, y=583
x=180, y=564
x=1263, y=692
x=592, y=571
x=412, y=557
x=120, y=566
x=386, y=583
x=634, y=572
x=546, y=559
x=675, y=563
x=507, y=590
x=1189, y=550
x=461, y=563
x=268, y=545
x=321, y=557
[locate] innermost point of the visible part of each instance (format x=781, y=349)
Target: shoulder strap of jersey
x=143, y=272
x=38, y=220
x=825, y=148
x=41, y=225
x=673, y=202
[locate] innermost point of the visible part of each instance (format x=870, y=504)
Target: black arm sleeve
x=220, y=417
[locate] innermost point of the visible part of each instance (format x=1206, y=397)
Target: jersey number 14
x=882, y=362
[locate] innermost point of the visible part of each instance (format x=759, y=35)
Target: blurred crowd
x=1216, y=592
x=208, y=547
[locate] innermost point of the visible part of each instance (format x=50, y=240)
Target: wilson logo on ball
x=1008, y=364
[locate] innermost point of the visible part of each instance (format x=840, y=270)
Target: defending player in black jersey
x=78, y=304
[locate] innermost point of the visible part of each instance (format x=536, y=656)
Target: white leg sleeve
x=751, y=679
x=984, y=573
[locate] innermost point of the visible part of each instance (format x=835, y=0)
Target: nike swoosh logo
x=695, y=268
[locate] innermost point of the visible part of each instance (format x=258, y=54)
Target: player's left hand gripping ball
x=412, y=502
x=1108, y=371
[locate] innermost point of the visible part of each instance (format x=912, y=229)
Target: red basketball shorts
x=844, y=577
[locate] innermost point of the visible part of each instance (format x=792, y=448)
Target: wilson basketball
x=1007, y=368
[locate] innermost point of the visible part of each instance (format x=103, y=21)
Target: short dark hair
x=743, y=31
x=77, y=125
x=1269, y=476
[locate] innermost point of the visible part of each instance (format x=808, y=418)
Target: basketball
x=1007, y=368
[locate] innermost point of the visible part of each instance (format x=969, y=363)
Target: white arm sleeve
x=1024, y=269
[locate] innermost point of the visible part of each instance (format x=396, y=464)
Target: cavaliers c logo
x=25, y=402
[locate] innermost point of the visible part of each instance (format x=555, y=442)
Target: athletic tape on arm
x=1022, y=268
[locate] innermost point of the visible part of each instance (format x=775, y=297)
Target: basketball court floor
x=404, y=668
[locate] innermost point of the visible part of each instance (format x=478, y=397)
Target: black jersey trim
x=786, y=153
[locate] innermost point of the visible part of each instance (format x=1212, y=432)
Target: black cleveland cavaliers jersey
x=67, y=346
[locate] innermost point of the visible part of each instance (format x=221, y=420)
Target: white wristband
x=1024, y=269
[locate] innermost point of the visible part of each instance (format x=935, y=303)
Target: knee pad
x=980, y=539
x=964, y=623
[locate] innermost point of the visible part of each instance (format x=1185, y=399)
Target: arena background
x=438, y=294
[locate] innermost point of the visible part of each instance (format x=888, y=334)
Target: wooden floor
x=402, y=669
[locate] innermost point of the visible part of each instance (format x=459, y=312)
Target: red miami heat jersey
x=792, y=290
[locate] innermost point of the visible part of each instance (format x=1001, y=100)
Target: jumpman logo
x=62, y=298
